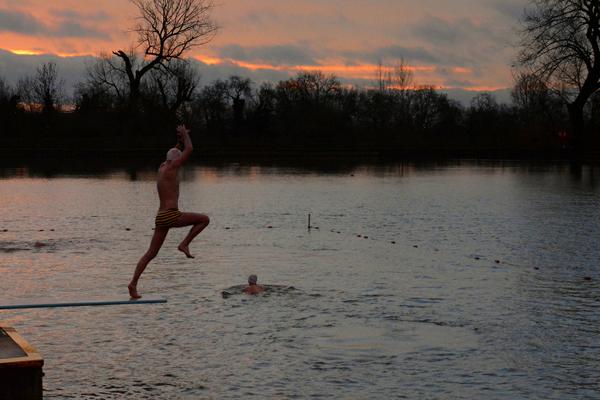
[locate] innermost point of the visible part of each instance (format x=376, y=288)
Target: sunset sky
x=452, y=44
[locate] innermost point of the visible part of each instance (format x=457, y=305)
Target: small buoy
x=477, y=258
x=339, y=232
x=227, y=228
x=497, y=261
x=393, y=242
x=415, y=246
x=127, y=229
x=41, y=230
x=51, y=230
x=536, y=268
x=358, y=235
x=366, y=237
x=4, y=230
x=270, y=227
x=588, y=278
x=315, y=227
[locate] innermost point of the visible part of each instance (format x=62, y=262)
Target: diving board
x=84, y=304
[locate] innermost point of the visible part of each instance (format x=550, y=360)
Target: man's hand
x=184, y=143
x=182, y=131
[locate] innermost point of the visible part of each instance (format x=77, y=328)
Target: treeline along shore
x=309, y=115
x=129, y=102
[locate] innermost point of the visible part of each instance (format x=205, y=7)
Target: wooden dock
x=20, y=367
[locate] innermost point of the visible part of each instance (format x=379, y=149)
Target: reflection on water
x=460, y=280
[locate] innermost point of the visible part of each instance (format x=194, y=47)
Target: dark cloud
x=513, y=9
x=74, y=15
x=17, y=22
x=273, y=55
x=293, y=55
x=72, y=69
x=453, y=83
x=439, y=31
x=464, y=42
x=26, y=24
x=210, y=73
x=296, y=21
x=396, y=52
x=75, y=29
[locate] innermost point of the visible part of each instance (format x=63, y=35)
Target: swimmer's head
x=173, y=154
x=252, y=279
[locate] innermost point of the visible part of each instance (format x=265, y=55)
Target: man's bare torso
x=168, y=186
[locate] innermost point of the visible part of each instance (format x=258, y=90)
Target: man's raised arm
x=184, y=134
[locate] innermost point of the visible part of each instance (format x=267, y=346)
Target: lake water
x=468, y=280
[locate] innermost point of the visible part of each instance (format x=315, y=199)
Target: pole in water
x=83, y=304
x=308, y=221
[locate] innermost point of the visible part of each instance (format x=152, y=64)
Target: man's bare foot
x=133, y=292
x=185, y=250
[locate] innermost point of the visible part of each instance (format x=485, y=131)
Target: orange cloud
x=349, y=36
x=364, y=71
x=20, y=52
x=462, y=70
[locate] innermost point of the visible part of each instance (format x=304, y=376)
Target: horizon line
x=363, y=72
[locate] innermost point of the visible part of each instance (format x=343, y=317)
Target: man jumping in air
x=168, y=215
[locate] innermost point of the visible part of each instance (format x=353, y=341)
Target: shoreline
x=293, y=153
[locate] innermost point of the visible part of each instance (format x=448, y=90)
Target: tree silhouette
x=8, y=104
x=45, y=90
x=561, y=44
x=166, y=30
x=174, y=84
x=238, y=90
x=530, y=93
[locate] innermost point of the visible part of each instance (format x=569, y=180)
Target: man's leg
x=155, y=244
x=199, y=222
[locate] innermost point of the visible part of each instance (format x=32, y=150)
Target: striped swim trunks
x=167, y=218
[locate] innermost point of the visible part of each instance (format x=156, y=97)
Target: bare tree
x=110, y=73
x=402, y=76
x=529, y=91
x=92, y=96
x=561, y=44
x=8, y=100
x=424, y=109
x=395, y=87
x=44, y=91
x=25, y=92
x=5, y=89
x=166, y=30
x=313, y=86
x=211, y=103
x=398, y=76
x=175, y=84
x=382, y=77
x=484, y=103
x=238, y=90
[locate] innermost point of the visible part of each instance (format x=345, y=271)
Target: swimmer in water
x=168, y=215
x=253, y=288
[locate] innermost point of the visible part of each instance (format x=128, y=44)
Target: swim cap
x=173, y=154
x=252, y=279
